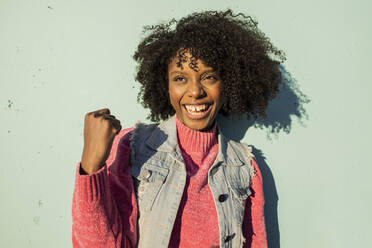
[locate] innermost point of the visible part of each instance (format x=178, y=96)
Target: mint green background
x=61, y=61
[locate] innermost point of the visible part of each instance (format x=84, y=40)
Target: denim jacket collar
x=164, y=139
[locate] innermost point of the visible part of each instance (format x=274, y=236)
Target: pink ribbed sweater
x=104, y=209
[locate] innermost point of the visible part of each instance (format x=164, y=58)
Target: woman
x=181, y=183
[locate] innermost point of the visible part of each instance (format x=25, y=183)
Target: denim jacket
x=159, y=176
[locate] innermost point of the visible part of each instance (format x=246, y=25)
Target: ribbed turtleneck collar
x=192, y=141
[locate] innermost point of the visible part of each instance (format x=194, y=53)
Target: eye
x=210, y=77
x=178, y=78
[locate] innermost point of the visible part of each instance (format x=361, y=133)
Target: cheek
x=216, y=93
x=176, y=90
x=173, y=103
x=174, y=97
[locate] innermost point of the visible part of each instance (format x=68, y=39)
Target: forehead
x=187, y=62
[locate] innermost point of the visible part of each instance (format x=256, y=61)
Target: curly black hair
x=243, y=57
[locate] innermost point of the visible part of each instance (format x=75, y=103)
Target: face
x=195, y=94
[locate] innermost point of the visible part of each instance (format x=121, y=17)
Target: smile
x=197, y=111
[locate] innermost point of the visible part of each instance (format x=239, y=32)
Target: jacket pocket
x=148, y=184
x=238, y=179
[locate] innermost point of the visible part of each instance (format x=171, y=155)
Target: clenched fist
x=100, y=128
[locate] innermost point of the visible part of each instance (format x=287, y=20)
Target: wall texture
x=61, y=59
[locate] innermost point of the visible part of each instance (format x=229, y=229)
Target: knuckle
x=102, y=120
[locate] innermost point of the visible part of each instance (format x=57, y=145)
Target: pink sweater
x=104, y=209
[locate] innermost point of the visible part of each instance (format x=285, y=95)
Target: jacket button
x=213, y=171
x=147, y=174
x=229, y=237
x=222, y=197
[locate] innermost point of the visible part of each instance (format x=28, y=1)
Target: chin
x=198, y=125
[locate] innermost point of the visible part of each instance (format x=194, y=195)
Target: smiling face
x=195, y=94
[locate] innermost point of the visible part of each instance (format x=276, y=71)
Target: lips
x=197, y=111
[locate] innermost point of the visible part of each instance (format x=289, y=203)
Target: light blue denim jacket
x=159, y=176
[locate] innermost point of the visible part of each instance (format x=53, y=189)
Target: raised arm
x=103, y=206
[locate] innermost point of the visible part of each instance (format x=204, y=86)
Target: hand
x=100, y=129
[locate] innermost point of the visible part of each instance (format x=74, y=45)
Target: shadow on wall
x=280, y=114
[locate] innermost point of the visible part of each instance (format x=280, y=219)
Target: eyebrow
x=182, y=72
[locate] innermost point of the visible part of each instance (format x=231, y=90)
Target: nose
x=196, y=89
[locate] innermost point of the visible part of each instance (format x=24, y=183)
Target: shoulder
x=246, y=155
x=123, y=137
x=141, y=131
x=240, y=149
x=120, y=144
x=252, y=160
x=123, y=141
x=138, y=131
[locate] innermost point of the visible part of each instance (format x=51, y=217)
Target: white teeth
x=196, y=108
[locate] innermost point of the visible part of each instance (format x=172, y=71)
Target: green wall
x=61, y=59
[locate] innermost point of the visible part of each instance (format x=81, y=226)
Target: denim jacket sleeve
x=104, y=205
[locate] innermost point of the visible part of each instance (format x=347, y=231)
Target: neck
x=192, y=141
